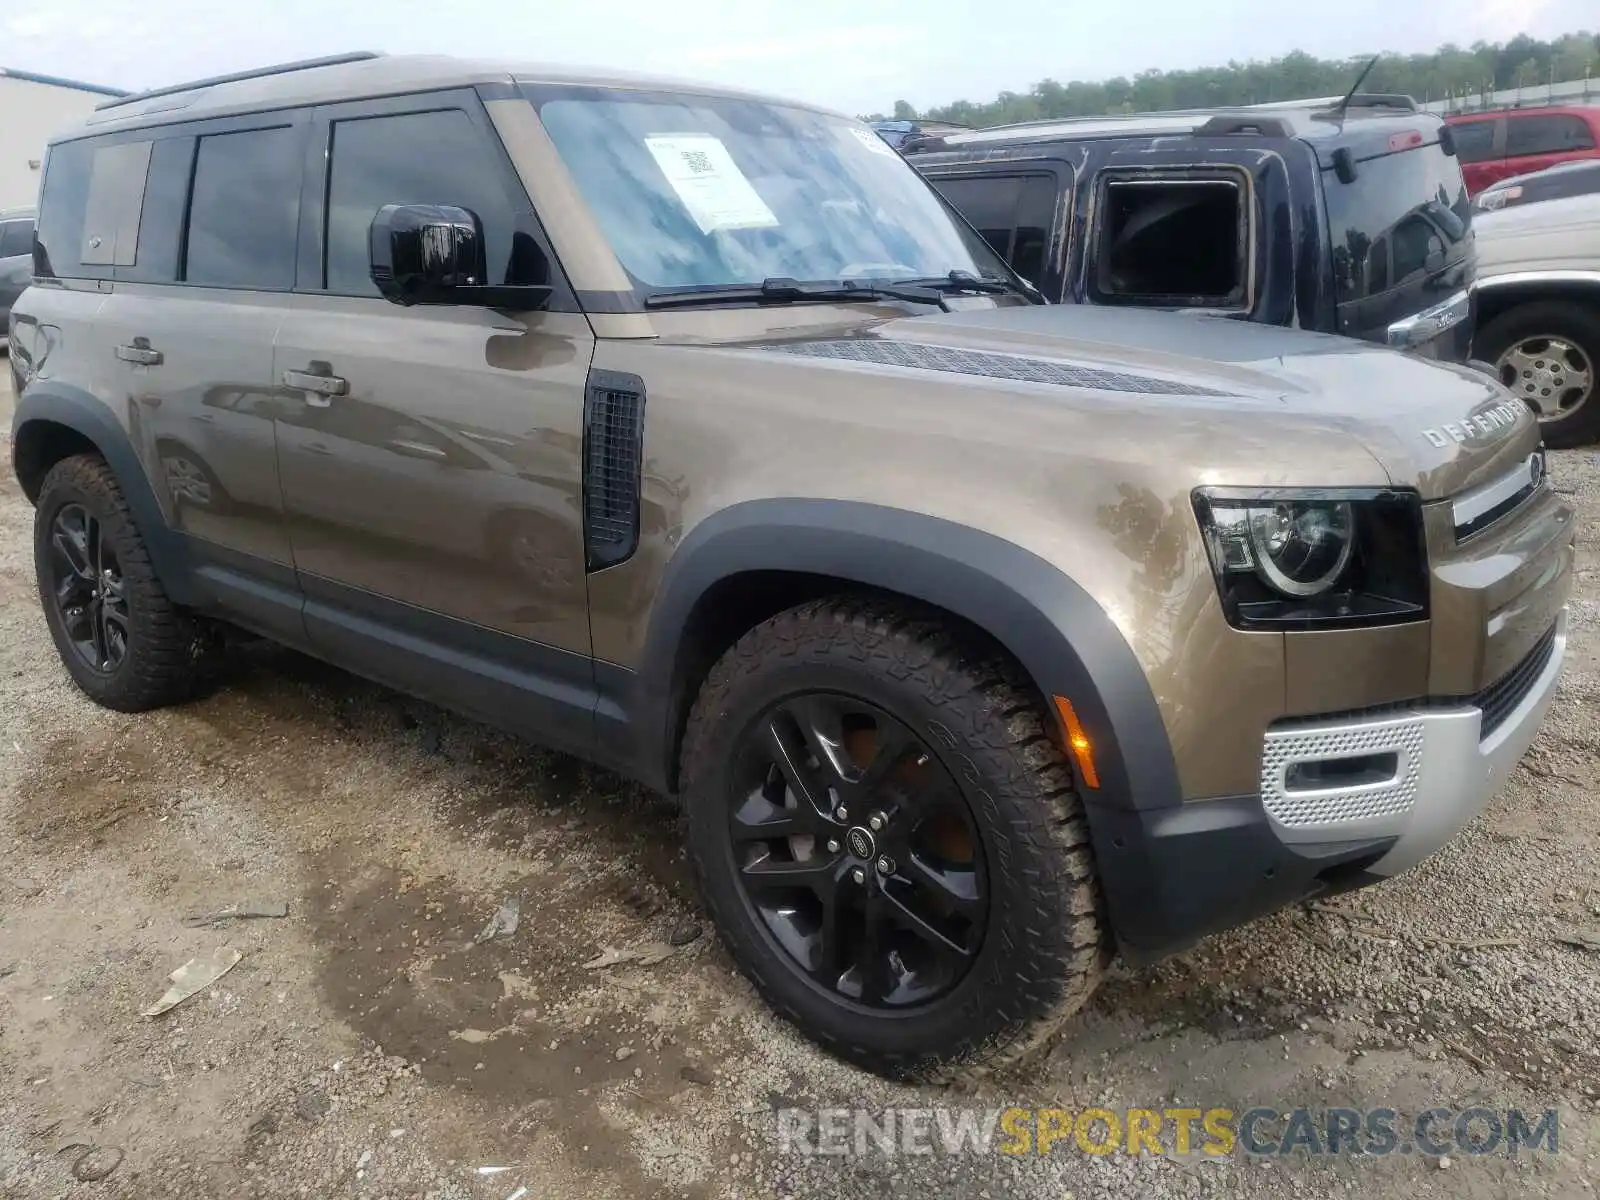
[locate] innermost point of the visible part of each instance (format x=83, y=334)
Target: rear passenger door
x=1537, y=141
x=431, y=459
x=196, y=225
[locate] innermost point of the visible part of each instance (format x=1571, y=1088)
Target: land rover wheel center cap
x=861, y=842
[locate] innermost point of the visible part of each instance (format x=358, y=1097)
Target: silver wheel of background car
x=1554, y=376
x=187, y=480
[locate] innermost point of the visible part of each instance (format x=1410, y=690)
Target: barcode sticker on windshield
x=872, y=141
x=709, y=182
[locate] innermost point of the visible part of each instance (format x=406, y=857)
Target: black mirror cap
x=422, y=252
x=434, y=254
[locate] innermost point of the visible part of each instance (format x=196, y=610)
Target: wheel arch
x=1496, y=297
x=54, y=422
x=752, y=560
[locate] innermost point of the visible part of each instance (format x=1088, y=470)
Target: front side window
x=1474, y=140
x=245, y=209
x=1014, y=213
x=704, y=191
x=414, y=158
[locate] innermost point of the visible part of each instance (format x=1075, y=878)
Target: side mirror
x=434, y=254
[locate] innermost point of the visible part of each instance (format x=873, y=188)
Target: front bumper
x=1437, y=765
x=1344, y=801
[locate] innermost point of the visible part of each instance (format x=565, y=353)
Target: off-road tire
x=1044, y=947
x=1576, y=322
x=169, y=654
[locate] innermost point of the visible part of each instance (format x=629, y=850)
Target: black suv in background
x=1346, y=218
x=16, y=262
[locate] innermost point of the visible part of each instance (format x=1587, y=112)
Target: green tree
x=1446, y=72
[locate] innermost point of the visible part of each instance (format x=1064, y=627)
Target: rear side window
x=245, y=210
x=1405, y=217
x=16, y=237
x=1014, y=213
x=1171, y=241
x=1474, y=141
x=1552, y=134
x=380, y=160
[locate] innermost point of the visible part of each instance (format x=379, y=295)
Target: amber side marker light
x=1078, y=742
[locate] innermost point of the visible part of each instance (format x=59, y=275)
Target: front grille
x=1477, y=510
x=1501, y=697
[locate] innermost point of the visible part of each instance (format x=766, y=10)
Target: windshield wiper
x=985, y=285
x=783, y=290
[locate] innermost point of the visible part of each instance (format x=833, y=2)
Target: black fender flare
x=1055, y=630
x=81, y=412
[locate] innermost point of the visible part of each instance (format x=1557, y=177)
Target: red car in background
x=1495, y=145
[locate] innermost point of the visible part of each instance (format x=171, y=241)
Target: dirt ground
x=369, y=1045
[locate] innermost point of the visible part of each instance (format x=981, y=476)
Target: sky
x=858, y=56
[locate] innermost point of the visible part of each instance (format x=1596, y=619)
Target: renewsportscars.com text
x=1133, y=1131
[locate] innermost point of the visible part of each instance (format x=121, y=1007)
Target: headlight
x=1301, y=559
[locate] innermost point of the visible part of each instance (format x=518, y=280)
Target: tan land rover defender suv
x=692, y=432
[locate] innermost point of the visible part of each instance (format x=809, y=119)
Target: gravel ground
x=369, y=1045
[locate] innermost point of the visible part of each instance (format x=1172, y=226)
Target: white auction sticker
x=709, y=182
x=872, y=141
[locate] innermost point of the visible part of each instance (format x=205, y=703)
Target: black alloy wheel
x=856, y=850
x=88, y=588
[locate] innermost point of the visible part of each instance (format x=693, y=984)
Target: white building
x=32, y=109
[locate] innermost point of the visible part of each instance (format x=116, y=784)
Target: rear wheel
x=1548, y=354
x=121, y=639
x=889, y=841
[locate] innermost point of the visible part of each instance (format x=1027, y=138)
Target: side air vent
x=613, y=428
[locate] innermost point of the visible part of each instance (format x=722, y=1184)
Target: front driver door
x=431, y=455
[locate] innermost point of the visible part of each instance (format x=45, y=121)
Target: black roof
x=1309, y=119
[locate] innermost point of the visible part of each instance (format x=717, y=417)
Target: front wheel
x=1548, y=354
x=123, y=641
x=889, y=841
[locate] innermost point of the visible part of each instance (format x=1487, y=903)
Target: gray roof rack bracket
x=1232, y=123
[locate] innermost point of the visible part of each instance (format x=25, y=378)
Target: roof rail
x=307, y=64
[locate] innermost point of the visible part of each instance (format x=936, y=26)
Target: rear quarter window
x=1406, y=213
x=63, y=204
x=90, y=207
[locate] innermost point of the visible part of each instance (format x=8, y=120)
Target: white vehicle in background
x=1581, y=178
x=1538, y=292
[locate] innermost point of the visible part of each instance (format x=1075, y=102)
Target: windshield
x=702, y=191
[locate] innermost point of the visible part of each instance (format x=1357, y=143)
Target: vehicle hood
x=1439, y=428
x=1550, y=235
